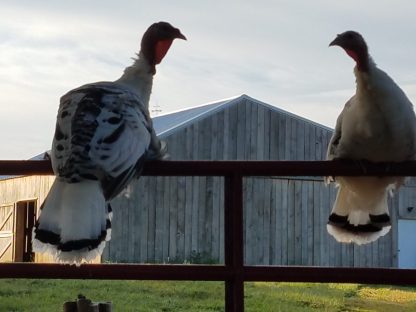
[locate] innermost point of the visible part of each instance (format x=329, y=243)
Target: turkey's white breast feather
x=377, y=123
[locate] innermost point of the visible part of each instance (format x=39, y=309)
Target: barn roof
x=170, y=122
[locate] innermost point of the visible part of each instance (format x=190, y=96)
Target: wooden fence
x=234, y=272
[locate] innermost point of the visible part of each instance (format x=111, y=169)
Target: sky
x=274, y=51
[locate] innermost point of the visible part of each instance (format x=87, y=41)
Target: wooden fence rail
x=234, y=273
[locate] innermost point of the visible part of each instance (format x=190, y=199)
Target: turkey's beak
x=176, y=34
x=179, y=35
x=336, y=42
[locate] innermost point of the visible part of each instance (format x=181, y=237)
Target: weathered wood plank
x=247, y=136
x=274, y=242
x=274, y=136
x=159, y=228
x=202, y=247
x=221, y=220
x=282, y=147
x=310, y=224
x=285, y=218
x=226, y=135
x=173, y=218
x=212, y=139
x=291, y=226
x=298, y=223
x=300, y=140
x=324, y=202
x=334, y=259
x=266, y=135
x=248, y=220
x=204, y=137
x=278, y=220
x=260, y=138
x=189, y=187
x=392, y=242
x=180, y=232
x=166, y=216
x=232, y=132
x=241, y=130
x=318, y=224
x=195, y=214
x=253, y=132
x=207, y=221
x=216, y=212
x=144, y=217
x=291, y=138
x=304, y=215
x=258, y=216
x=220, y=137
x=266, y=219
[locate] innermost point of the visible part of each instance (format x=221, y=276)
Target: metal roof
x=166, y=124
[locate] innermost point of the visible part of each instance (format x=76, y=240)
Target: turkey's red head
x=355, y=46
x=157, y=40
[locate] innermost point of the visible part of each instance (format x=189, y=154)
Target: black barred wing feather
x=102, y=133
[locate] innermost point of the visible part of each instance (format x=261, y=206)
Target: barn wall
x=177, y=219
x=26, y=188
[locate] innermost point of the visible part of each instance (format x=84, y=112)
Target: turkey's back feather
x=104, y=132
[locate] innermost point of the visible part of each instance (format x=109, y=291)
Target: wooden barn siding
x=177, y=219
x=26, y=188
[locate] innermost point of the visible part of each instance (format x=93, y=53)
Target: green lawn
x=147, y=296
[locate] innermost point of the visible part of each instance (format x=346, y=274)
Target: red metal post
x=234, y=242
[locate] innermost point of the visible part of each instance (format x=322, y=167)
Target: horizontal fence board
x=116, y=271
x=210, y=273
x=243, y=168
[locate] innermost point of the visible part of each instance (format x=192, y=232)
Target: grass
x=149, y=296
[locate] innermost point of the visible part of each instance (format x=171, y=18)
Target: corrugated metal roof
x=166, y=124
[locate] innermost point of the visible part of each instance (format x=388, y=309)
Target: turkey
x=103, y=136
x=377, y=124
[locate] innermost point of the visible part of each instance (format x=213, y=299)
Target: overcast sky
x=274, y=51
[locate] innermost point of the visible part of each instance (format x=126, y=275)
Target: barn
x=180, y=219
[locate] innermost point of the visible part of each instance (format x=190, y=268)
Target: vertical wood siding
x=180, y=219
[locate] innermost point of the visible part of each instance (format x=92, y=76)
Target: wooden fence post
x=82, y=304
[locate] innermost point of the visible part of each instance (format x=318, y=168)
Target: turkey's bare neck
x=139, y=78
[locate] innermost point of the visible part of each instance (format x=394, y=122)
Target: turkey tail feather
x=360, y=214
x=74, y=223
